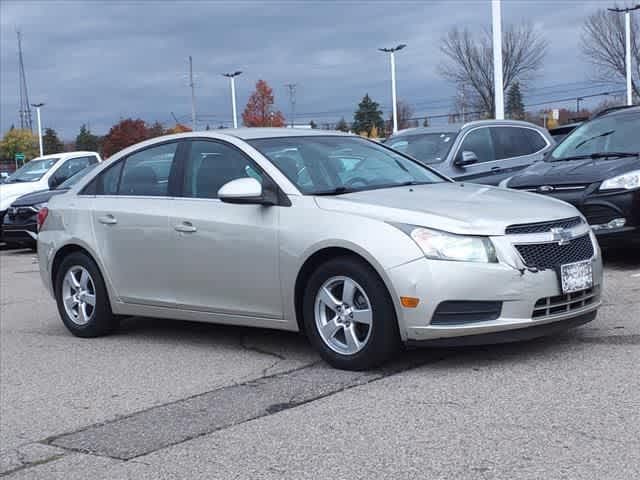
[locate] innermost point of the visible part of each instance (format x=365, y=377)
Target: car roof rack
x=612, y=109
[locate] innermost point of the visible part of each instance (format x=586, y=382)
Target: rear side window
x=480, y=142
x=512, y=142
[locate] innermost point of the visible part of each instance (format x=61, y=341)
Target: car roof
x=65, y=155
x=258, y=132
x=456, y=127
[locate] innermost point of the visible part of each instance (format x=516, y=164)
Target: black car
x=19, y=226
x=597, y=169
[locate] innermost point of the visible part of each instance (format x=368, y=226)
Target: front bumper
x=519, y=291
x=21, y=229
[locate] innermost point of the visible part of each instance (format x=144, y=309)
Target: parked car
x=560, y=133
x=486, y=151
x=266, y=228
x=596, y=169
x=20, y=221
x=42, y=173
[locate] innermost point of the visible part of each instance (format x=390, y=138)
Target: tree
x=469, y=60
x=156, y=130
x=342, y=125
x=367, y=116
x=19, y=140
x=603, y=43
x=515, y=106
x=405, y=112
x=123, y=134
x=259, y=110
x=313, y=124
x=50, y=142
x=426, y=122
x=87, y=140
x=178, y=128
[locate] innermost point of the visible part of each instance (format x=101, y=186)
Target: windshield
x=71, y=181
x=327, y=164
x=426, y=147
x=611, y=133
x=32, y=171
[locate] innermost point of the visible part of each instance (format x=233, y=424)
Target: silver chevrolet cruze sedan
x=347, y=240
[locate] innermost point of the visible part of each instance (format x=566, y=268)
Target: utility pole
x=25, y=110
x=193, y=95
x=234, y=111
x=292, y=101
x=627, y=27
x=37, y=107
x=578, y=100
x=496, y=15
x=394, y=102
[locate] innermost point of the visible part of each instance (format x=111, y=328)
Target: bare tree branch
x=469, y=59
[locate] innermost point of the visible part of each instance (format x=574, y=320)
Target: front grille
x=542, y=227
x=551, y=255
x=555, y=188
x=599, y=214
x=456, y=312
x=549, y=306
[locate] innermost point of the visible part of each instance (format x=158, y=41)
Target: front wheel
x=349, y=316
x=82, y=297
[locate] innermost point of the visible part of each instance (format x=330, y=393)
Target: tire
x=79, y=316
x=376, y=341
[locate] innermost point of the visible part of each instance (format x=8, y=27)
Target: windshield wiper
x=594, y=156
x=586, y=140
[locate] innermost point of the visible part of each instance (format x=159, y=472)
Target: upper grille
x=551, y=255
x=599, y=214
x=543, y=226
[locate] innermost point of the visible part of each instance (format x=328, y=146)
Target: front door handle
x=185, y=227
x=108, y=220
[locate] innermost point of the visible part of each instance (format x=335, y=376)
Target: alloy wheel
x=79, y=295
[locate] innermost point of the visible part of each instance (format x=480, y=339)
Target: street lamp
x=627, y=26
x=37, y=107
x=498, y=88
x=231, y=77
x=391, y=52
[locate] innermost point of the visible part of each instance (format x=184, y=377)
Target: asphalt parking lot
x=172, y=400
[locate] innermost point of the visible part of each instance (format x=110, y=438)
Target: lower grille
x=456, y=312
x=549, y=306
x=551, y=255
x=599, y=214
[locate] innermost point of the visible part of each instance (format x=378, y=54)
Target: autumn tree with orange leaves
x=259, y=110
x=124, y=134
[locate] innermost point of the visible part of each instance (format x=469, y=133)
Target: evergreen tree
x=342, y=125
x=313, y=124
x=87, y=140
x=426, y=122
x=50, y=142
x=367, y=116
x=515, y=105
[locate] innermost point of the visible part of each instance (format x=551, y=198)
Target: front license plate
x=576, y=276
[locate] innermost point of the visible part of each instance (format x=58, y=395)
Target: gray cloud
x=98, y=61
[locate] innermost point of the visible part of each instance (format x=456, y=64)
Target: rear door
x=515, y=148
x=131, y=224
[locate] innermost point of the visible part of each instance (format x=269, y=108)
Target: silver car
x=357, y=245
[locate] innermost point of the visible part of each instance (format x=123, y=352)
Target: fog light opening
x=615, y=223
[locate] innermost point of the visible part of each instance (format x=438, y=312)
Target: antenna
x=292, y=101
x=25, y=107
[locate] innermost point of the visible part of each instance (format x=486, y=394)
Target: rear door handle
x=185, y=227
x=108, y=220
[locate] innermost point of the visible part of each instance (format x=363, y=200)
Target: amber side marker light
x=409, y=302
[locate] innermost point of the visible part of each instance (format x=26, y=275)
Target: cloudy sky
x=98, y=61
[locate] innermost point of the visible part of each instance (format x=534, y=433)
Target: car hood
x=34, y=198
x=454, y=207
x=572, y=172
x=10, y=191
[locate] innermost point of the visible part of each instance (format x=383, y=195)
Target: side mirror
x=246, y=191
x=467, y=158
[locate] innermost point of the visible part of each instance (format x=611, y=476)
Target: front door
x=227, y=255
x=480, y=142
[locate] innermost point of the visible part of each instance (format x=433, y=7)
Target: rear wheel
x=349, y=316
x=82, y=298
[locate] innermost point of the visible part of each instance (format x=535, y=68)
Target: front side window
x=71, y=167
x=611, y=133
x=334, y=164
x=427, y=147
x=71, y=181
x=479, y=141
x=146, y=173
x=32, y=171
x=212, y=164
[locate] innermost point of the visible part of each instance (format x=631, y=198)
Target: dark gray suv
x=484, y=151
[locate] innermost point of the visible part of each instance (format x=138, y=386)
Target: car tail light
x=42, y=216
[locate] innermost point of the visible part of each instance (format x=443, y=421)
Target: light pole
x=391, y=52
x=37, y=107
x=496, y=15
x=232, y=81
x=627, y=27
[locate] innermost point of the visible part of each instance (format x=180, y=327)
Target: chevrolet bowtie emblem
x=546, y=189
x=562, y=236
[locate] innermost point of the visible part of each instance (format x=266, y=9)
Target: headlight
x=438, y=245
x=626, y=181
